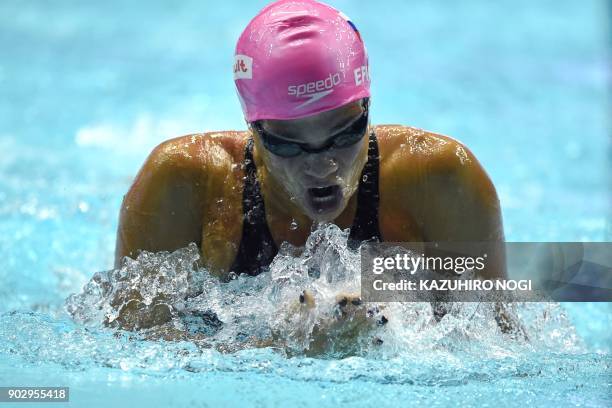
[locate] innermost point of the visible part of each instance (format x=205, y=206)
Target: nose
x=320, y=165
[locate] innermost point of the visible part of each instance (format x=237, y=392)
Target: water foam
x=168, y=296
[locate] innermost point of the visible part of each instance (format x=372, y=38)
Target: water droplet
x=293, y=225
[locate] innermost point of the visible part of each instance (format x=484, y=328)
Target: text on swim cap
x=361, y=74
x=243, y=67
x=315, y=86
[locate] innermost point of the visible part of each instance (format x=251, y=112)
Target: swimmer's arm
x=463, y=206
x=469, y=211
x=163, y=208
x=445, y=193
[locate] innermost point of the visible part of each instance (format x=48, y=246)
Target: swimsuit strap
x=257, y=247
x=365, y=225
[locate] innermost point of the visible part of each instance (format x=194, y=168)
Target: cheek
x=287, y=171
x=351, y=161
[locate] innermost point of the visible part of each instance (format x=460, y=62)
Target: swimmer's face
x=320, y=182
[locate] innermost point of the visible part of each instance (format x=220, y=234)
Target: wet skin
x=298, y=178
x=432, y=188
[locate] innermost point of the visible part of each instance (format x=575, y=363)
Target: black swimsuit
x=257, y=248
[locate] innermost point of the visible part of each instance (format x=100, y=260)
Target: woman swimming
x=310, y=155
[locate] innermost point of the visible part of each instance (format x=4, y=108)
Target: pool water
x=88, y=89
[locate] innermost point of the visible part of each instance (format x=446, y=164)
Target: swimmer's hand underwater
x=331, y=333
x=336, y=333
x=307, y=327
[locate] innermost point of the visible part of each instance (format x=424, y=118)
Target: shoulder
x=212, y=150
x=189, y=162
x=431, y=167
x=405, y=147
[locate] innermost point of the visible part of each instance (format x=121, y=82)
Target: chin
x=323, y=217
x=324, y=213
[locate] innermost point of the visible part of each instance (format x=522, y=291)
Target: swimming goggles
x=345, y=138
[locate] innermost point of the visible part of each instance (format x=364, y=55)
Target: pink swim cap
x=297, y=58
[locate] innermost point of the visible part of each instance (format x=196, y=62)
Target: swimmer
x=310, y=155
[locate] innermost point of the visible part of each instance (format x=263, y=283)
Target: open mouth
x=323, y=192
x=323, y=199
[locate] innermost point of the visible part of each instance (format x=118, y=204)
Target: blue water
x=88, y=88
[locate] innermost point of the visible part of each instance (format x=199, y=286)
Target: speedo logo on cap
x=314, y=90
x=243, y=67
